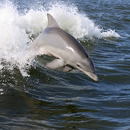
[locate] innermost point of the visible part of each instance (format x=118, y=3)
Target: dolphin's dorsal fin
x=51, y=21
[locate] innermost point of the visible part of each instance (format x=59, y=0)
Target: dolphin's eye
x=87, y=55
x=78, y=65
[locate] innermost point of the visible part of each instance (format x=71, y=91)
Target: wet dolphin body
x=69, y=53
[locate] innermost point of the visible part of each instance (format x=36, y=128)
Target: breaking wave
x=18, y=30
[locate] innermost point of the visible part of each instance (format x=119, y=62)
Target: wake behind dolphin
x=69, y=53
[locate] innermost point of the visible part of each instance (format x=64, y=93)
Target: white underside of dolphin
x=69, y=53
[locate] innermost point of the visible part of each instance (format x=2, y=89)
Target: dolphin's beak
x=92, y=75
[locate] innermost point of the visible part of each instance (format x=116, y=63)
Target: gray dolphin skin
x=68, y=52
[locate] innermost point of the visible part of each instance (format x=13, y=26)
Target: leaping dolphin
x=69, y=53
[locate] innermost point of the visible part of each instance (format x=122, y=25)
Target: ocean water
x=33, y=97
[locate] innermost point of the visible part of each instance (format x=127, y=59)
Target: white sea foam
x=18, y=30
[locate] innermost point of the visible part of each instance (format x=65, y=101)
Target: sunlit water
x=33, y=97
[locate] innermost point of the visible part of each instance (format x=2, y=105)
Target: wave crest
x=19, y=30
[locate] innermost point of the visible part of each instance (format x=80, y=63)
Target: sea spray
x=18, y=30
x=13, y=41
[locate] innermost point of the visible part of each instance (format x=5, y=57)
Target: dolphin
x=68, y=52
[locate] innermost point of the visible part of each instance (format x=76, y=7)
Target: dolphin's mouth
x=92, y=75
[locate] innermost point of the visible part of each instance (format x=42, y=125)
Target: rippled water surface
x=33, y=97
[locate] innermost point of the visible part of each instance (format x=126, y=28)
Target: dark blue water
x=32, y=97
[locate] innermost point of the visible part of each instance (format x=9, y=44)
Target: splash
x=13, y=41
x=77, y=24
x=19, y=30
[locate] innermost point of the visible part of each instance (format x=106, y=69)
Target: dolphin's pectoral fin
x=57, y=63
x=67, y=68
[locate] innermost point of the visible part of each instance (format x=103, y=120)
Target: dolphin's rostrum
x=69, y=53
